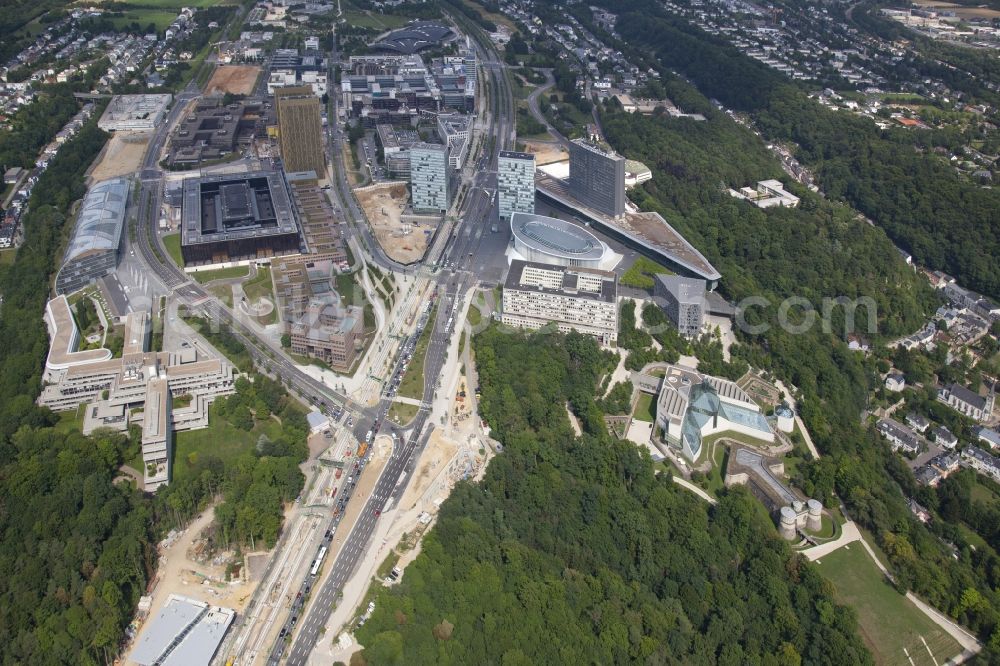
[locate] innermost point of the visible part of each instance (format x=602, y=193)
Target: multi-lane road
x=453, y=283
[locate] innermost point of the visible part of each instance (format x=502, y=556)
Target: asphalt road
x=454, y=281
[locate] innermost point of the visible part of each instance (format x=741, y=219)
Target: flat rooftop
x=647, y=229
x=64, y=337
x=225, y=207
x=185, y=632
x=514, y=155
x=569, y=282
x=125, y=108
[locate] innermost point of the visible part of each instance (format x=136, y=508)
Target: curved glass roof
x=556, y=236
x=99, y=223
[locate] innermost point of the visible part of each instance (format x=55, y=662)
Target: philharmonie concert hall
x=553, y=241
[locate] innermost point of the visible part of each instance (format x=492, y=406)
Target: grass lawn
x=7, y=256
x=173, y=244
x=645, y=408
x=359, y=19
x=222, y=274
x=402, y=413
x=161, y=18
x=309, y=360
x=715, y=478
x=412, y=385
x=640, y=274
x=70, y=421
x=474, y=316
x=224, y=292
x=498, y=19
x=972, y=537
x=349, y=289
x=737, y=436
x=259, y=286
x=827, y=529
x=887, y=620
x=982, y=493
x=219, y=439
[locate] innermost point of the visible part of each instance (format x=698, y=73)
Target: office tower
x=301, y=130
x=515, y=183
x=429, y=178
x=597, y=178
x=683, y=300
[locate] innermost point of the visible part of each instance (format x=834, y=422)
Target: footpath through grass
x=887, y=620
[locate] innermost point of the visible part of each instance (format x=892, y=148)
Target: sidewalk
x=684, y=483
x=849, y=534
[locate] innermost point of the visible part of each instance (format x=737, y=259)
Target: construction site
x=545, y=152
x=121, y=156
x=191, y=567
x=234, y=79
x=403, y=238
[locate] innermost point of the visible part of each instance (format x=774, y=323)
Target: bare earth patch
x=404, y=241
x=545, y=152
x=235, y=79
x=122, y=156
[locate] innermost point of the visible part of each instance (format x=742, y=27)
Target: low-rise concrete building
x=134, y=112
x=140, y=387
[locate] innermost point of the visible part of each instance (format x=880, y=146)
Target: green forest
x=572, y=550
x=34, y=126
x=77, y=549
x=891, y=176
x=818, y=250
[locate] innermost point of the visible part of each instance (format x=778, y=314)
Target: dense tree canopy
x=75, y=550
x=891, y=176
x=573, y=551
x=820, y=250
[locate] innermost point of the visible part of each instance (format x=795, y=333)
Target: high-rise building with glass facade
x=301, y=130
x=597, y=177
x=429, y=178
x=515, y=183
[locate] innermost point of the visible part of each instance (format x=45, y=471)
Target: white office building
x=515, y=183
x=575, y=299
x=429, y=178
